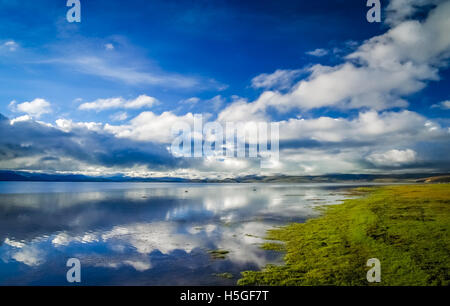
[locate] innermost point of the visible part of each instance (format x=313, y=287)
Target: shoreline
x=407, y=227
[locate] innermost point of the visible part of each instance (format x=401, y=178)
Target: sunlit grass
x=406, y=227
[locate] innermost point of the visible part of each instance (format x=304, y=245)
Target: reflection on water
x=145, y=233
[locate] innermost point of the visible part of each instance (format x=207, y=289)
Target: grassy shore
x=406, y=227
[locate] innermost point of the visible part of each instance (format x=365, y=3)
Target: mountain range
x=7, y=175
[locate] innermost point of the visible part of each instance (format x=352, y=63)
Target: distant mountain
x=435, y=179
x=44, y=177
x=337, y=178
x=6, y=175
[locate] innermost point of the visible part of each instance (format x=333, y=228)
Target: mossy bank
x=406, y=227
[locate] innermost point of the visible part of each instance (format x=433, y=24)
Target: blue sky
x=283, y=61
x=222, y=46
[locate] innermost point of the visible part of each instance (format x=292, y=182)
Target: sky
x=101, y=97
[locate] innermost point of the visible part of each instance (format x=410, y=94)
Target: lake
x=146, y=233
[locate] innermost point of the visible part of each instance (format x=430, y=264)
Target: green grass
x=406, y=227
x=218, y=254
x=226, y=275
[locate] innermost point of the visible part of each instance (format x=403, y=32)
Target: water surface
x=146, y=233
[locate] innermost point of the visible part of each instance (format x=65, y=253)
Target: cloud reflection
x=149, y=227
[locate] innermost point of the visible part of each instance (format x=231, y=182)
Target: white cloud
x=35, y=108
x=370, y=126
x=373, y=79
x=318, y=52
x=13, y=243
x=393, y=158
x=314, y=161
x=280, y=79
x=378, y=75
x=138, y=265
x=132, y=75
x=120, y=116
x=442, y=105
x=67, y=125
x=9, y=45
x=331, y=145
x=143, y=101
x=208, y=105
x=398, y=11
x=63, y=239
x=216, y=102
x=20, y=119
x=348, y=86
x=148, y=126
x=192, y=100
x=410, y=43
x=140, y=102
x=30, y=256
x=109, y=46
x=242, y=111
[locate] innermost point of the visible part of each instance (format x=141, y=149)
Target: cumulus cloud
x=68, y=125
x=138, y=265
x=35, y=108
x=120, y=116
x=398, y=11
x=330, y=144
x=280, y=79
x=393, y=158
x=242, y=111
x=318, y=52
x=14, y=243
x=368, y=132
x=315, y=161
x=313, y=146
x=30, y=256
x=378, y=75
x=374, y=80
x=143, y=101
x=20, y=119
x=76, y=146
x=370, y=126
x=148, y=126
x=442, y=105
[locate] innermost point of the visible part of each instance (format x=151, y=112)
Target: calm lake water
x=146, y=233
